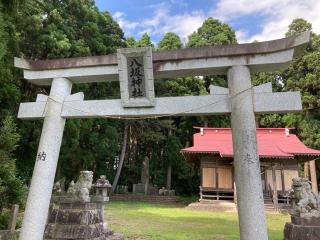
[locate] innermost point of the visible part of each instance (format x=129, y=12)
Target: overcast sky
x=251, y=19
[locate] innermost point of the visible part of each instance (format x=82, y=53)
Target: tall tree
x=144, y=41
x=211, y=33
x=70, y=28
x=298, y=25
x=122, y=155
x=11, y=190
x=304, y=75
x=170, y=41
x=130, y=42
x=61, y=29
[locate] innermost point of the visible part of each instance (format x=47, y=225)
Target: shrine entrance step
x=214, y=205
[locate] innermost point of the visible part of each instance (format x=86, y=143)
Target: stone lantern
x=102, y=189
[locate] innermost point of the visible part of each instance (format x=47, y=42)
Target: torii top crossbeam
x=259, y=56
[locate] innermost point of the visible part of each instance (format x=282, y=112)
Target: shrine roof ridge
x=260, y=130
x=298, y=42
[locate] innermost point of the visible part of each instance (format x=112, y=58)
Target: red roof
x=272, y=143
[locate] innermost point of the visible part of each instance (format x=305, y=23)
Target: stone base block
x=310, y=221
x=301, y=232
x=115, y=236
x=70, y=219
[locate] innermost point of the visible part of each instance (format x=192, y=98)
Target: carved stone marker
x=13, y=218
x=136, y=77
x=305, y=214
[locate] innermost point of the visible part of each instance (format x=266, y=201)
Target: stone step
x=221, y=205
x=213, y=205
x=144, y=198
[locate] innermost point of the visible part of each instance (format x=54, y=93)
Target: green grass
x=152, y=221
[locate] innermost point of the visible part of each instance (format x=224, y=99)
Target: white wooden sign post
x=136, y=69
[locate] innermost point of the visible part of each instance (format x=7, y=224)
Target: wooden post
x=313, y=176
x=234, y=193
x=275, y=192
x=282, y=181
x=13, y=218
x=306, y=170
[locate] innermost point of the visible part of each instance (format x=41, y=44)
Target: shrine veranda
x=136, y=70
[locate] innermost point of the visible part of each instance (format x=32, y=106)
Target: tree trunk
x=206, y=122
x=145, y=171
x=122, y=155
x=169, y=177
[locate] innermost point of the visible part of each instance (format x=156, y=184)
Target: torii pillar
x=241, y=100
x=246, y=158
x=36, y=211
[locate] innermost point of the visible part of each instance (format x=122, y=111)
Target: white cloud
x=162, y=21
x=181, y=24
x=118, y=15
x=127, y=26
x=277, y=14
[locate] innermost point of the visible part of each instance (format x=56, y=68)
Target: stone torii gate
x=135, y=68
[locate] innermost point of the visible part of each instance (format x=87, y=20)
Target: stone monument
x=102, y=189
x=76, y=215
x=305, y=213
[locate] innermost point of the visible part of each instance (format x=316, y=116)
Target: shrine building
x=280, y=153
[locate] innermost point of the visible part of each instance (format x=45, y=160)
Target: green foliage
x=8, y=138
x=171, y=151
x=4, y=220
x=3, y=36
x=71, y=28
x=9, y=92
x=212, y=32
x=11, y=190
x=180, y=87
x=144, y=41
x=170, y=41
x=130, y=42
x=297, y=26
x=304, y=75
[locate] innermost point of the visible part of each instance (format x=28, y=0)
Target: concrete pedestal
x=70, y=219
x=302, y=229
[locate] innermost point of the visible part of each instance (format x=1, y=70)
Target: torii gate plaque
x=241, y=100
